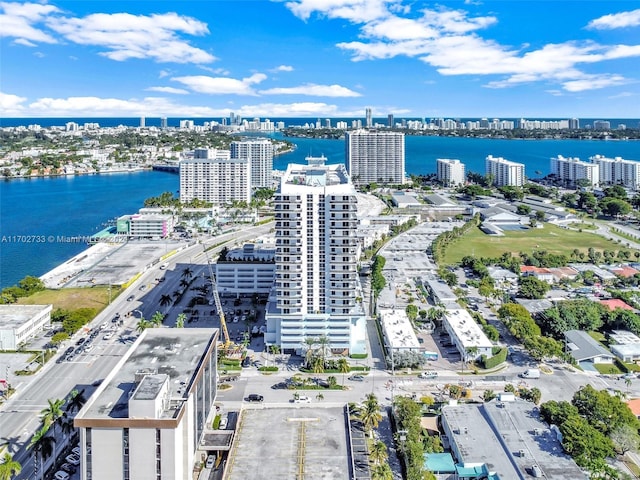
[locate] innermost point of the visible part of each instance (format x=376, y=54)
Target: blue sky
x=320, y=58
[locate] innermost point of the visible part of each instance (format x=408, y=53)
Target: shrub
x=497, y=359
x=216, y=422
x=268, y=369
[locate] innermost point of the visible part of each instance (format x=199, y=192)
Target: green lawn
x=72, y=298
x=551, y=238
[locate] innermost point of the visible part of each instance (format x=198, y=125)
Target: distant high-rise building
x=71, y=127
x=450, y=172
x=186, y=124
x=327, y=123
x=260, y=154
x=574, y=123
x=213, y=176
x=570, y=170
x=373, y=156
x=390, y=121
x=504, y=172
x=232, y=118
x=601, y=125
x=316, y=261
x=163, y=123
x=369, y=118
x=142, y=122
x=618, y=171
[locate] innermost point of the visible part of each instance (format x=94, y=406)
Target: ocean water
x=33, y=211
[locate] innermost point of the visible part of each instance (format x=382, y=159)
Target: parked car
x=211, y=460
x=223, y=423
x=428, y=374
x=356, y=378
x=67, y=467
x=254, y=397
x=73, y=459
x=76, y=450
x=130, y=298
x=61, y=475
x=302, y=399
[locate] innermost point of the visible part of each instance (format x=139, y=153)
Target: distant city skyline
x=320, y=59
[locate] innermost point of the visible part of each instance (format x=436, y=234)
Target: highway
x=19, y=416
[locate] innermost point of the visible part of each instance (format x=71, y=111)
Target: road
x=19, y=416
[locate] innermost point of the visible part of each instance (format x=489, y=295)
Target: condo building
x=450, y=172
x=375, y=156
x=316, y=280
x=214, y=177
x=618, y=171
x=148, y=418
x=570, y=170
x=260, y=154
x=504, y=172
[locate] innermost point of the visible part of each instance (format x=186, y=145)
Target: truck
x=531, y=373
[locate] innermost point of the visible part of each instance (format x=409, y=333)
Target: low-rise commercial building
x=148, y=417
x=584, y=349
x=505, y=440
x=145, y=225
x=466, y=335
x=18, y=323
x=398, y=332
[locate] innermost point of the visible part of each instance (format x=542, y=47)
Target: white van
x=531, y=373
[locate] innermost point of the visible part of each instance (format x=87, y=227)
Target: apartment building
x=316, y=286
x=260, y=154
x=570, y=170
x=148, y=418
x=504, y=172
x=618, y=171
x=213, y=176
x=375, y=156
x=450, y=172
x=246, y=270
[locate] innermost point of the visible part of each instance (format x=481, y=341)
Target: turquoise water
x=36, y=209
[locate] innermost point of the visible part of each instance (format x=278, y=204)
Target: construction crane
x=226, y=343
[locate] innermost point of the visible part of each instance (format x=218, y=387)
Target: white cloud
x=312, y=90
x=164, y=73
x=126, y=36
x=221, y=85
x=283, y=68
x=591, y=82
x=24, y=42
x=18, y=20
x=11, y=104
x=616, y=20
x=176, y=91
x=623, y=95
x=357, y=11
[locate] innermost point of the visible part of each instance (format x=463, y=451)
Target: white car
x=223, y=423
x=73, y=459
x=61, y=475
x=107, y=336
x=76, y=450
x=88, y=348
x=302, y=399
x=211, y=460
x=428, y=374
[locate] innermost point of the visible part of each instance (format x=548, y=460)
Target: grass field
x=551, y=238
x=72, y=298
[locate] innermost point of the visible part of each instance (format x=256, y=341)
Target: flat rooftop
x=466, y=328
x=510, y=438
x=174, y=352
x=286, y=443
x=12, y=316
x=398, y=330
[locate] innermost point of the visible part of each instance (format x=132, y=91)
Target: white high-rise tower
x=260, y=154
x=374, y=156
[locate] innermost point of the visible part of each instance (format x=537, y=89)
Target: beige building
x=18, y=323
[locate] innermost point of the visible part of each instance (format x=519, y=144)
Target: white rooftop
x=467, y=330
x=12, y=316
x=398, y=330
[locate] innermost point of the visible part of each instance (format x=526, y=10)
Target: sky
x=320, y=58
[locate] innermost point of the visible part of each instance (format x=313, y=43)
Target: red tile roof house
x=614, y=303
x=543, y=274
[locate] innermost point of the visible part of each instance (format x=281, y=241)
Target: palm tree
x=310, y=343
x=184, y=283
x=382, y=472
x=378, y=452
x=369, y=413
x=157, y=318
x=344, y=367
x=9, y=467
x=317, y=365
x=324, y=343
x=275, y=350
x=182, y=318
x=187, y=273
x=165, y=300
x=43, y=445
x=51, y=414
x=75, y=401
x=142, y=325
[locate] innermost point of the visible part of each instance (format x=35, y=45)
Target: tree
x=614, y=207
x=381, y=471
x=75, y=401
x=523, y=210
x=275, y=350
x=378, y=452
x=369, y=413
x=43, y=445
x=411, y=311
x=142, y=325
x=9, y=467
x=59, y=337
x=533, y=288
x=52, y=413
x=187, y=273
x=180, y=320
x=625, y=438
x=157, y=318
